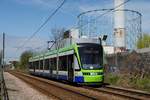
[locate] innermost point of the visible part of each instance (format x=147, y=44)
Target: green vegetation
x=128, y=81
x=133, y=71
x=143, y=83
x=23, y=63
x=144, y=42
x=113, y=79
x=16, y=64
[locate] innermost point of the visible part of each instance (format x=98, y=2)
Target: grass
x=113, y=79
x=143, y=84
x=128, y=82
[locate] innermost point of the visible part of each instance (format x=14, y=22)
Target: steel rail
x=136, y=92
x=35, y=86
x=121, y=92
x=29, y=79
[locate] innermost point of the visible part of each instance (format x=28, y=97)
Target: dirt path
x=19, y=90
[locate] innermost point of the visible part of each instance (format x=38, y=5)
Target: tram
x=73, y=59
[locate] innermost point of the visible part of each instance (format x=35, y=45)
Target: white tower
x=119, y=25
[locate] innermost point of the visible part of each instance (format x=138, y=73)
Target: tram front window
x=91, y=57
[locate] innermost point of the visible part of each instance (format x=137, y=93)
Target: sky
x=20, y=18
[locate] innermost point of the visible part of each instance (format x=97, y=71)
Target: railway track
x=61, y=92
x=52, y=90
x=122, y=92
x=138, y=94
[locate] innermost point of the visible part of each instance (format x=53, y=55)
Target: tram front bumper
x=98, y=78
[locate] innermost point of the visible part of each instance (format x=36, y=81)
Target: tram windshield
x=91, y=57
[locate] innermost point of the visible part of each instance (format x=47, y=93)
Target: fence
x=135, y=62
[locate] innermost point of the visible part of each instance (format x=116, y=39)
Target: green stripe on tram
x=53, y=52
x=76, y=51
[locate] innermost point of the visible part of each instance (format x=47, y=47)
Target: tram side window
x=46, y=67
x=41, y=64
x=33, y=65
x=76, y=64
x=50, y=66
x=63, y=63
x=53, y=63
x=36, y=65
x=30, y=65
x=70, y=61
x=101, y=56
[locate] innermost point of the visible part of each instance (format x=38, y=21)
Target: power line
x=45, y=22
x=110, y=10
x=114, y=8
x=42, y=25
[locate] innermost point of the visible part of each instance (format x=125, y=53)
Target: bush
x=24, y=59
x=112, y=79
x=143, y=84
x=128, y=81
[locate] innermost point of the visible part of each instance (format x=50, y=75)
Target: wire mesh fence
x=95, y=23
x=138, y=60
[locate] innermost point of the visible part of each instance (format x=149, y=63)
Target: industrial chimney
x=119, y=25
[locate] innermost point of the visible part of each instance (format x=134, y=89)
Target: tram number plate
x=93, y=74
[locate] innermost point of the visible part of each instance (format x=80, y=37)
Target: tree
x=15, y=63
x=144, y=42
x=24, y=59
x=57, y=33
x=57, y=36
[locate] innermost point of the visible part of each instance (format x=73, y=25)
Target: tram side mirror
x=104, y=37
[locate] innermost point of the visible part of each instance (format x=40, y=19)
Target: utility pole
x=2, y=66
x=3, y=51
x=1, y=77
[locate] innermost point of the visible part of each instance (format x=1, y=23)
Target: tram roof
x=66, y=48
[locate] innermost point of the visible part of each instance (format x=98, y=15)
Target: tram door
x=70, y=68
